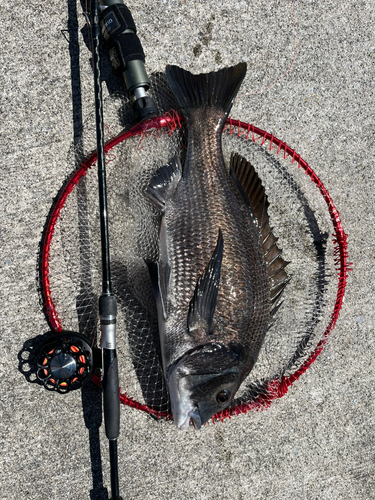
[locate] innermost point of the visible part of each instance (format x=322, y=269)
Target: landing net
x=301, y=212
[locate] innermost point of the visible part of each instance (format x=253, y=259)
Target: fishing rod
x=107, y=301
x=67, y=360
x=127, y=56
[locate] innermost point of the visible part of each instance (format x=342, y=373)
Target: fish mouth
x=192, y=416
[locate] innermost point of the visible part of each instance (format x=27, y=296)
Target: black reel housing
x=65, y=362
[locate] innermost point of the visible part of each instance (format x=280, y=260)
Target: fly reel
x=65, y=362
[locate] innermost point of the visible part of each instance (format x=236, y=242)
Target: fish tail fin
x=216, y=89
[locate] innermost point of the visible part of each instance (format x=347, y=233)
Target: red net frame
x=278, y=387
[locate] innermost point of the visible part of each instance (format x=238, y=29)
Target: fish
x=219, y=272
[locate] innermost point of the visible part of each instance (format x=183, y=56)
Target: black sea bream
x=219, y=268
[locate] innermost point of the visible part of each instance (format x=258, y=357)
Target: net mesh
x=71, y=263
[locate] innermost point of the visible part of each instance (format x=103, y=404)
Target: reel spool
x=65, y=362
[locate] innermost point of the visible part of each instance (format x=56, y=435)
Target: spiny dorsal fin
x=203, y=304
x=253, y=192
x=163, y=183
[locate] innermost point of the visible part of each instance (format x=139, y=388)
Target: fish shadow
x=86, y=298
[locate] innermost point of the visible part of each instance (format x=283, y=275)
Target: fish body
x=213, y=288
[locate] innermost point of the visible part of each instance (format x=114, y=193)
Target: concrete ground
x=318, y=441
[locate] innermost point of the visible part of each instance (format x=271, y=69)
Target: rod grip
x=111, y=396
x=107, y=305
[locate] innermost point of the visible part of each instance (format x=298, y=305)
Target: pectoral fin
x=164, y=269
x=203, y=304
x=163, y=183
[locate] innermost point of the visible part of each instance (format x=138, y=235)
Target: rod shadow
x=86, y=300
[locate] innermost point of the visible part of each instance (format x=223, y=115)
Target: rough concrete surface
x=318, y=441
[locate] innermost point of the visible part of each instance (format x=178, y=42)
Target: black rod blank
x=106, y=277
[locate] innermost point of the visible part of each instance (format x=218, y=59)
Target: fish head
x=204, y=381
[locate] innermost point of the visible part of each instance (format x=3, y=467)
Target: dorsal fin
x=254, y=195
x=203, y=304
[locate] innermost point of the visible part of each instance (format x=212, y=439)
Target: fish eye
x=223, y=396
